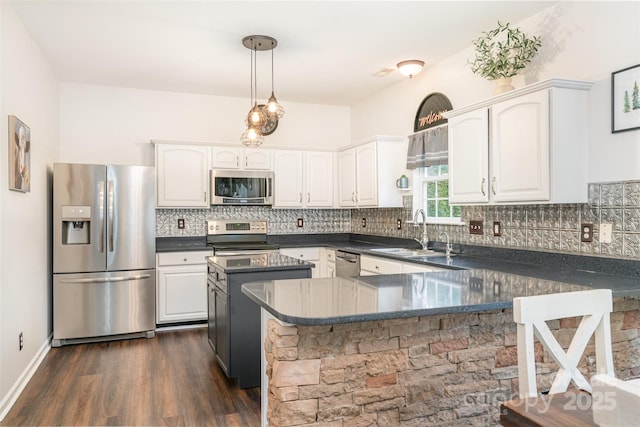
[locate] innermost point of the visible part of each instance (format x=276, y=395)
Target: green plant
x=503, y=52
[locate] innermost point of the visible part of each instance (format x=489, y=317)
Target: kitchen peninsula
x=433, y=348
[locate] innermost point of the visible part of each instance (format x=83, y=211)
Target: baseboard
x=8, y=401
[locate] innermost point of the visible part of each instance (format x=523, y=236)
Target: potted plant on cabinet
x=502, y=53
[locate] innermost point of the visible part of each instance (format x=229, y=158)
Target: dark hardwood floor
x=169, y=380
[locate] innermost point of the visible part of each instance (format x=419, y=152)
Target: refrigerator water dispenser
x=76, y=223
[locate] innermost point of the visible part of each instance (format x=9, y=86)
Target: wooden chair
x=532, y=313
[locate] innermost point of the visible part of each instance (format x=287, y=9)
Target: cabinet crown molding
x=544, y=84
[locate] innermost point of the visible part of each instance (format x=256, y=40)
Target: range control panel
x=236, y=227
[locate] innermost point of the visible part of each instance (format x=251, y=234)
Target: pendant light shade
x=262, y=119
x=256, y=117
x=252, y=137
x=411, y=67
x=273, y=106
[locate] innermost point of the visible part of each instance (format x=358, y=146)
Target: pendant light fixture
x=252, y=137
x=262, y=119
x=274, y=108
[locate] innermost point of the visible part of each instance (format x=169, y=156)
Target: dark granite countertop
x=357, y=299
x=622, y=276
x=181, y=244
x=258, y=262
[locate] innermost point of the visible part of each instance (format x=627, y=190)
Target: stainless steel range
x=241, y=255
x=228, y=237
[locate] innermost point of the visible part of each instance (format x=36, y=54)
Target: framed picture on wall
x=625, y=99
x=19, y=155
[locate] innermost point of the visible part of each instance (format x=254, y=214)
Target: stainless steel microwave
x=231, y=187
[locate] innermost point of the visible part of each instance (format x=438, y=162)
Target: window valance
x=428, y=148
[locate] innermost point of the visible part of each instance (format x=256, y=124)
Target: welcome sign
x=430, y=112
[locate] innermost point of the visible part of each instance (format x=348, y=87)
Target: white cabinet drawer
x=410, y=267
x=182, y=258
x=379, y=265
x=302, y=253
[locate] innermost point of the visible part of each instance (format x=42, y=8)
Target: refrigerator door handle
x=110, y=196
x=101, y=213
x=107, y=279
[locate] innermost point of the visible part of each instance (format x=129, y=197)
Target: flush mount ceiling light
x=411, y=67
x=262, y=118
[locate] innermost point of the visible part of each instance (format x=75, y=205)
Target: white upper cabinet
x=303, y=178
x=319, y=172
x=182, y=176
x=230, y=157
x=368, y=171
x=288, y=173
x=347, y=178
x=469, y=157
x=520, y=148
x=525, y=146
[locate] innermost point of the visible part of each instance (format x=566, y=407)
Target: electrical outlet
x=606, y=233
x=20, y=341
x=475, y=227
x=364, y=222
x=180, y=223
x=586, y=233
x=497, y=228
x=300, y=223
x=399, y=224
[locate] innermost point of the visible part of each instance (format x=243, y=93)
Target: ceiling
x=328, y=51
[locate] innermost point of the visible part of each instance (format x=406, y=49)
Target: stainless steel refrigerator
x=103, y=252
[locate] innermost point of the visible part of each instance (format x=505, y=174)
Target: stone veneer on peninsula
x=444, y=370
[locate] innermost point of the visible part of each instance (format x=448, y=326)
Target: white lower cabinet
x=181, y=293
x=314, y=255
x=330, y=263
x=411, y=267
x=371, y=265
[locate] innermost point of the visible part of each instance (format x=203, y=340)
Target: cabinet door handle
x=308, y=197
x=300, y=197
x=205, y=196
x=237, y=161
x=353, y=197
x=246, y=162
x=484, y=180
x=493, y=185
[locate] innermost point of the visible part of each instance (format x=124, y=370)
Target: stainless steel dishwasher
x=347, y=264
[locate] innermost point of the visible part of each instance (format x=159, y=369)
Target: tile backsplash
x=554, y=228
x=280, y=221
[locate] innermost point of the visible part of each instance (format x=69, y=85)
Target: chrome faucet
x=448, y=248
x=425, y=239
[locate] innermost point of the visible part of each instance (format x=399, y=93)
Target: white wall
x=114, y=125
x=29, y=91
x=580, y=40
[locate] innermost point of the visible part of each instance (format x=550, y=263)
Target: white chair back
x=532, y=313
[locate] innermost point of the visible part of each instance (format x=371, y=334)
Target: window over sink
x=431, y=193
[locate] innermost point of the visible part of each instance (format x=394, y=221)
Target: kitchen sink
x=410, y=253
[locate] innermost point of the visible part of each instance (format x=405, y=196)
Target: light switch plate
x=606, y=233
